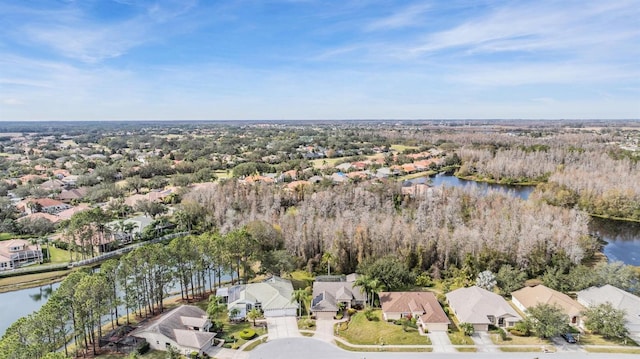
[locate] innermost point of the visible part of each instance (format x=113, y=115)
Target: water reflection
x=452, y=181
x=623, y=239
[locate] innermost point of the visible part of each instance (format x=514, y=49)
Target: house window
x=501, y=322
x=574, y=320
x=258, y=306
x=167, y=345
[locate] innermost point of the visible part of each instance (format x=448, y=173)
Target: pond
x=453, y=181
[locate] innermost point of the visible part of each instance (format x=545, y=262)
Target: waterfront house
x=18, y=252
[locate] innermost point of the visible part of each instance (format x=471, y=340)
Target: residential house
x=185, y=328
x=18, y=252
x=327, y=297
x=619, y=299
x=52, y=185
x=421, y=305
x=75, y=194
x=129, y=229
x=272, y=297
x=68, y=213
x=528, y=297
x=34, y=216
x=482, y=308
x=47, y=205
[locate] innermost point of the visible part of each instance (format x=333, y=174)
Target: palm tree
x=253, y=315
x=328, y=257
x=371, y=286
x=301, y=296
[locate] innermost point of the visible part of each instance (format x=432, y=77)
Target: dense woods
x=431, y=231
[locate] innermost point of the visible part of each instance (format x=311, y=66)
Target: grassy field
x=458, y=338
x=253, y=345
x=377, y=331
x=526, y=349
x=59, y=255
x=595, y=339
x=516, y=340
x=614, y=350
x=330, y=162
x=31, y=280
x=401, y=148
x=416, y=175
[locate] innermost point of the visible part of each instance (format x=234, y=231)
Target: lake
x=20, y=303
x=453, y=181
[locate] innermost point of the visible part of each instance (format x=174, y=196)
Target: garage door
x=280, y=313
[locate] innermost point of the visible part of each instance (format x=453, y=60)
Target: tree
x=467, y=329
x=370, y=286
x=253, y=315
x=215, y=307
x=486, y=280
x=606, y=320
x=510, y=279
x=391, y=272
x=172, y=353
x=547, y=320
x=302, y=296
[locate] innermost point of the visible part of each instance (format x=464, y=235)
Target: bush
x=517, y=333
x=194, y=355
x=142, y=347
x=247, y=334
x=369, y=314
x=351, y=311
x=338, y=316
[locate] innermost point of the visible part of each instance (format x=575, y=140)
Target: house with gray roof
x=185, y=328
x=482, y=308
x=328, y=295
x=620, y=299
x=272, y=297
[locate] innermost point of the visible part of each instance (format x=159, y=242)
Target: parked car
x=568, y=337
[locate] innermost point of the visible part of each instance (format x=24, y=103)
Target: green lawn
x=59, y=255
x=595, y=339
x=234, y=329
x=516, y=340
x=401, y=148
x=614, y=350
x=362, y=331
x=458, y=338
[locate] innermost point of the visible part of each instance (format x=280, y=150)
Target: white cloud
x=409, y=16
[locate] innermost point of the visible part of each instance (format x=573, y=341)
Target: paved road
x=310, y=348
x=282, y=327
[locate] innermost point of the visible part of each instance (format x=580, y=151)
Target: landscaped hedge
x=143, y=347
x=247, y=334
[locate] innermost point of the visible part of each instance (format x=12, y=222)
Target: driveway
x=483, y=342
x=440, y=342
x=324, y=330
x=282, y=327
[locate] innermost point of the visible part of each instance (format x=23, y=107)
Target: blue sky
x=318, y=59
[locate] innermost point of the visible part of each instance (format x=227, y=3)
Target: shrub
x=142, y=347
x=503, y=334
x=517, y=333
x=351, y=311
x=467, y=328
x=338, y=316
x=194, y=355
x=368, y=313
x=247, y=334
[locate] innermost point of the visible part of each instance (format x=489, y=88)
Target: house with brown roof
x=528, y=297
x=74, y=194
x=18, y=252
x=52, y=185
x=422, y=305
x=185, y=328
x=34, y=216
x=481, y=308
x=68, y=213
x=47, y=205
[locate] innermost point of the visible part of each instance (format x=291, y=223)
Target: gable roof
x=475, y=304
x=176, y=325
x=326, y=295
x=414, y=302
x=619, y=298
x=532, y=296
x=273, y=293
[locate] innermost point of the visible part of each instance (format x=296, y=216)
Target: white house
x=17, y=252
x=620, y=299
x=481, y=308
x=272, y=296
x=186, y=328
